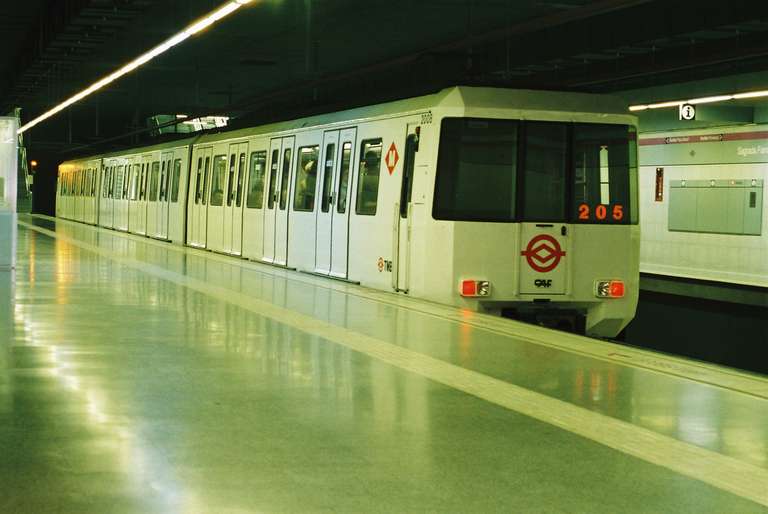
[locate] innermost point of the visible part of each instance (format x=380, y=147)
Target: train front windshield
x=511, y=171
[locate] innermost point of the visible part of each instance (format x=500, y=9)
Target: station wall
x=693, y=233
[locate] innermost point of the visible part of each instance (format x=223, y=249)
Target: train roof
x=457, y=97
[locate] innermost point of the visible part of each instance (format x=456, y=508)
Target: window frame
x=359, y=188
x=254, y=157
x=296, y=197
x=570, y=215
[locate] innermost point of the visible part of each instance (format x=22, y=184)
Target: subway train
x=515, y=202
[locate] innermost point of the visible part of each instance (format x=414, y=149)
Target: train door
x=276, y=215
x=202, y=211
x=402, y=238
x=166, y=162
x=197, y=199
x=153, y=196
x=333, y=216
x=284, y=203
x=221, y=171
x=104, y=172
x=233, y=211
x=253, y=214
x=177, y=187
x=107, y=216
x=121, y=196
x=146, y=163
x=193, y=196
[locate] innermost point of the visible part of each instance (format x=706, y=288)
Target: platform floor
x=140, y=377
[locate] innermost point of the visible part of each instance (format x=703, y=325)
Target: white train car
x=514, y=202
x=703, y=197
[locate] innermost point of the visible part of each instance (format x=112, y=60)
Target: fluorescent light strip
x=697, y=101
x=193, y=29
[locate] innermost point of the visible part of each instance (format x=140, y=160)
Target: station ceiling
x=283, y=58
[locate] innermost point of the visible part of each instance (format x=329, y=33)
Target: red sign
x=543, y=253
x=391, y=159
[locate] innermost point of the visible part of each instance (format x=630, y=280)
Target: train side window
x=231, y=179
x=217, y=180
x=206, y=173
x=368, y=177
x=476, y=170
x=143, y=182
x=105, y=185
x=199, y=180
x=306, y=179
x=272, y=179
x=135, y=182
x=112, y=181
x=119, y=181
x=94, y=182
x=330, y=156
x=162, y=181
x=341, y=190
x=286, y=175
x=255, y=198
x=241, y=170
x=175, y=181
x=154, y=181
x=544, y=177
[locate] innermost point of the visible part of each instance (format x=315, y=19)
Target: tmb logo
x=542, y=283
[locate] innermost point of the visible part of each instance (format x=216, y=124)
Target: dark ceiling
x=282, y=58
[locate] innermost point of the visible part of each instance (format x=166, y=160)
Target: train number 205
x=601, y=212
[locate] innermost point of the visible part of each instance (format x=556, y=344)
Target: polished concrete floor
x=140, y=377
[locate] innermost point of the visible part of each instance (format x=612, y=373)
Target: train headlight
x=475, y=288
x=609, y=289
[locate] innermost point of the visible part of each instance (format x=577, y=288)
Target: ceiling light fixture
x=223, y=11
x=697, y=101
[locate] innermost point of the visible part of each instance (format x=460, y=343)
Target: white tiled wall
x=731, y=258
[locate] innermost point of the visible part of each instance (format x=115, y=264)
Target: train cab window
x=604, y=174
x=368, y=177
x=231, y=178
x=241, y=165
x=206, y=173
x=255, y=198
x=272, y=179
x=285, y=178
x=175, y=178
x=306, y=179
x=154, y=181
x=341, y=190
x=325, y=199
x=476, y=170
x=217, y=180
x=544, y=176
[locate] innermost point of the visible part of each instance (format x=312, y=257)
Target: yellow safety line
x=700, y=372
x=720, y=471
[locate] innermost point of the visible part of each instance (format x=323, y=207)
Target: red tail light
x=609, y=289
x=475, y=288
